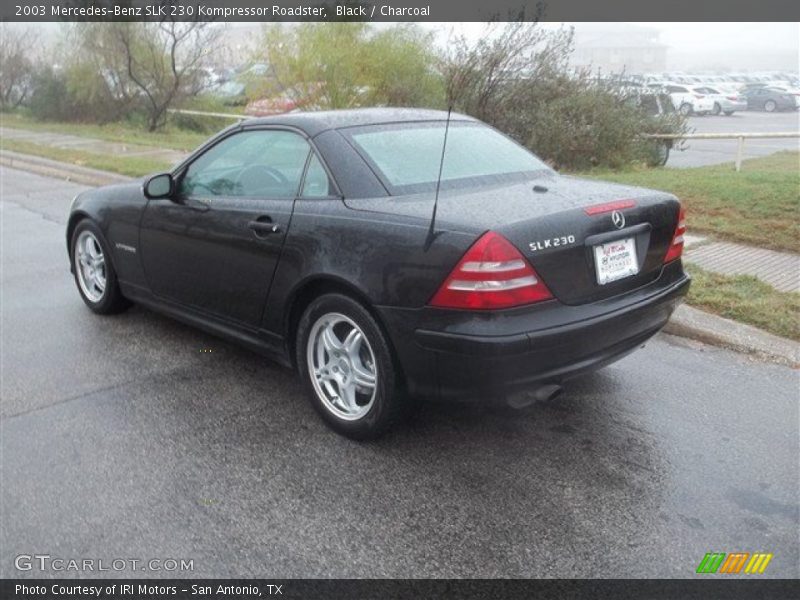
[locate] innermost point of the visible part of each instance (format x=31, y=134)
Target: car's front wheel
x=717, y=109
x=770, y=106
x=94, y=273
x=346, y=362
x=686, y=109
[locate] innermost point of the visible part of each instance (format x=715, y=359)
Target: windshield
x=407, y=155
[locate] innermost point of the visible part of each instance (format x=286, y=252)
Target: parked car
x=232, y=93
x=654, y=102
x=311, y=238
x=787, y=89
x=769, y=99
x=688, y=102
x=724, y=102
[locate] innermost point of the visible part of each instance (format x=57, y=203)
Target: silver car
x=725, y=102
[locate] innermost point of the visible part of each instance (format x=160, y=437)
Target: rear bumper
x=730, y=105
x=471, y=356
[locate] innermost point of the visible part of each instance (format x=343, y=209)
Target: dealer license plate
x=615, y=260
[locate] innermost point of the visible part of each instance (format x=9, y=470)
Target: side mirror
x=159, y=186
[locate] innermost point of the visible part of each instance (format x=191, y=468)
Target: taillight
x=491, y=275
x=676, y=245
x=734, y=98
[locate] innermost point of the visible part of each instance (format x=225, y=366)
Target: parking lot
x=137, y=437
x=697, y=153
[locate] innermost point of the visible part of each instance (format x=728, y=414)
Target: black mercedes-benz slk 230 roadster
x=388, y=254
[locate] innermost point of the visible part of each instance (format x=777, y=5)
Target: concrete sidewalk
x=781, y=270
x=87, y=144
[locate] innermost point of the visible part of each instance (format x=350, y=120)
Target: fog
x=689, y=46
x=722, y=47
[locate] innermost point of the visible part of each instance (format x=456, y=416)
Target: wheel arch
x=75, y=218
x=313, y=288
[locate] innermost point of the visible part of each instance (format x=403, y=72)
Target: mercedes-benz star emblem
x=618, y=219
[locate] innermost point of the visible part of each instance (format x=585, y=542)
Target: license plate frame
x=615, y=260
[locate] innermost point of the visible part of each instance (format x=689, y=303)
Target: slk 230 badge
x=564, y=240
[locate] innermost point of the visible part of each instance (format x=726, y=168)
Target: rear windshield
x=407, y=155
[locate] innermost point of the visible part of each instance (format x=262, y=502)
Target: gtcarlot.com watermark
x=45, y=562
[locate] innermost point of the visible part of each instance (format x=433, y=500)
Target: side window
x=256, y=164
x=317, y=184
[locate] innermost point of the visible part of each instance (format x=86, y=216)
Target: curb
x=704, y=327
x=59, y=170
x=686, y=321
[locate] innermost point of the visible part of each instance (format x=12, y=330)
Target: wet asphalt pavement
x=137, y=437
x=698, y=153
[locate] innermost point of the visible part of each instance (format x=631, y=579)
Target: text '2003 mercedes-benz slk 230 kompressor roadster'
x=388, y=254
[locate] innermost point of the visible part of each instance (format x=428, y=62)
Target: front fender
x=117, y=210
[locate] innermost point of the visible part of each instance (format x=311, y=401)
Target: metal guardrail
x=725, y=136
x=658, y=136
x=200, y=113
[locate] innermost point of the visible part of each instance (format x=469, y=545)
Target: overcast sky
x=691, y=36
x=722, y=46
x=744, y=46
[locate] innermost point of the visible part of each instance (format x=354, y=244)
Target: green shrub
x=594, y=126
x=77, y=93
x=518, y=79
x=49, y=101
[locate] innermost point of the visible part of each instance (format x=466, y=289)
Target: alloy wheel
x=342, y=366
x=90, y=263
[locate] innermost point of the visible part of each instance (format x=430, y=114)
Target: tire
x=728, y=113
x=93, y=271
x=770, y=106
x=685, y=109
x=659, y=154
x=336, y=367
x=717, y=109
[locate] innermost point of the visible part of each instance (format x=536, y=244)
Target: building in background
x=614, y=48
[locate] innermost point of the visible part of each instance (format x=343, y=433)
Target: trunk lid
x=552, y=229
x=567, y=246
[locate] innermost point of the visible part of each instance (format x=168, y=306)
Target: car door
x=215, y=244
x=753, y=98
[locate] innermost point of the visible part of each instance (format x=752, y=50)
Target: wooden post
x=739, y=152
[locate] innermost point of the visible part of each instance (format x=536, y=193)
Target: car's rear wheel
x=94, y=273
x=717, y=109
x=770, y=106
x=658, y=153
x=346, y=362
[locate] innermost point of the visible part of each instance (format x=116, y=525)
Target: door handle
x=262, y=226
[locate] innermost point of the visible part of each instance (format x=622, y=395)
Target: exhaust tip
x=543, y=393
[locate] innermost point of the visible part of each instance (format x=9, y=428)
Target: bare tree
x=16, y=66
x=159, y=62
x=482, y=78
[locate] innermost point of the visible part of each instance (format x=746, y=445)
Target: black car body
x=249, y=268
